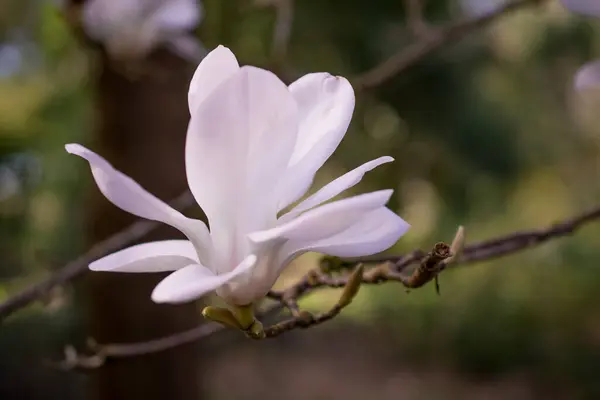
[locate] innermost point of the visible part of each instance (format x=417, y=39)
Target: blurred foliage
x=486, y=133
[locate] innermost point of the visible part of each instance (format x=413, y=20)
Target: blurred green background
x=487, y=132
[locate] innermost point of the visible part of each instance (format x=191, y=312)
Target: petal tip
x=403, y=226
x=94, y=267
x=160, y=296
x=157, y=298
x=387, y=193
x=98, y=266
x=74, y=148
x=223, y=50
x=335, y=82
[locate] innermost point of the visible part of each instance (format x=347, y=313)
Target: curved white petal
x=218, y=65
x=588, y=76
x=326, y=104
x=194, y=281
x=376, y=231
x=324, y=221
x=123, y=191
x=129, y=196
x=166, y=255
x=238, y=145
x=335, y=187
x=589, y=7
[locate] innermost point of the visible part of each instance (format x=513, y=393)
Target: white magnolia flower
x=131, y=29
x=253, y=148
x=588, y=76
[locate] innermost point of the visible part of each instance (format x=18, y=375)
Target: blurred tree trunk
x=141, y=127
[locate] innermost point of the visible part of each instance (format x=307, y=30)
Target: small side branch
x=427, y=267
x=431, y=41
x=77, y=267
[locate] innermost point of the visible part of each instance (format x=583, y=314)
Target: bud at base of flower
x=240, y=317
x=252, y=327
x=221, y=315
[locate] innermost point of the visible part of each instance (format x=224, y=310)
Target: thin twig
x=386, y=269
x=98, y=354
x=433, y=40
x=77, y=267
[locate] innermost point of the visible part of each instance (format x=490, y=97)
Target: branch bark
x=384, y=269
x=78, y=266
x=432, y=40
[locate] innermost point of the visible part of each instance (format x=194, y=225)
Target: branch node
x=312, y=278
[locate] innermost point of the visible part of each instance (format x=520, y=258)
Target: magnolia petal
x=194, y=281
x=335, y=187
x=238, y=145
x=588, y=7
x=375, y=232
x=588, y=76
x=218, y=65
x=326, y=104
x=324, y=221
x=129, y=196
x=123, y=191
x=166, y=255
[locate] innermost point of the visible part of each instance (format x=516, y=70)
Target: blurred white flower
x=588, y=76
x=589, y=7
x=130, y=29
x=479, y=8
x=253, y=148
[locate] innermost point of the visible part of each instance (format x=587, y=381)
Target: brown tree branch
x=380, y=270
x=77, y=267
x=432, y=40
